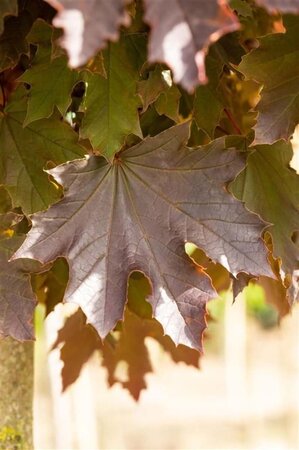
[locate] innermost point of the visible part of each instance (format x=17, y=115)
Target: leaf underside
x=157, y=196
x=17, y=301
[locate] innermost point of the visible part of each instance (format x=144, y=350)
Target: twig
x=232, y=120
x=3, y=95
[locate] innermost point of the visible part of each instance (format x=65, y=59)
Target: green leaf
x=5, y=201
x=274, y=64
x=26, y=151
x=159, y=89
x=136, y=213
x=7, y=8
x=209, y=100
x=97, y=65
x=51, y=80
x=150, y=89
x=241, y=7
x=152, y=123
x=207, y=109
x=271, y=189
x=13, y=40
x=111, y=104
x=139, y=289
x=167, y=103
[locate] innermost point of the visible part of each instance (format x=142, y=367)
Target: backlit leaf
x=276, y=295
x=79, y=341
x=270, y=188
x=88, y=25
x=150, y=89
x=274, y=64
x=209, y=100
x=168, y=103
x=17, y=300
x=181, y=33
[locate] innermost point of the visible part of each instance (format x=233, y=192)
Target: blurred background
x=244, y=396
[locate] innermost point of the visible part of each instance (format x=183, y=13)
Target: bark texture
x=16, y=395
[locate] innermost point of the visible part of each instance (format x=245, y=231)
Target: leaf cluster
x=129, y=131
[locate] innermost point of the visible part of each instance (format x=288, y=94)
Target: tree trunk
x=16, y=395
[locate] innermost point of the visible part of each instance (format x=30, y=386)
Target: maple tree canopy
x=129, y=130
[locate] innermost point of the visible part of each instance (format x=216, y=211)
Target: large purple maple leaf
x=137, y=213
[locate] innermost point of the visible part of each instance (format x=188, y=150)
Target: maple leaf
x=168, y=103
x=26, y=150
x=209, y=99
x=79, y=342
x=7, y=8
x=181, y=33
x=130, y=347
x=142, y=322
x=159, y=89
x=17, y=301
x=13, y=40
x=265, y=186
x=111, y=104
x=150, y=89
x=51, y=80
x=207, y=109
x=88, y=25
x=136, y=214
x=278, y=55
